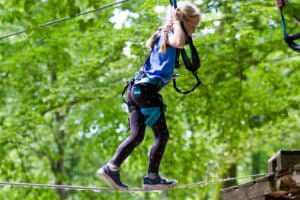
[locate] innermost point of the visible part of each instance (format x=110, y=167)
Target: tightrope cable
x=130, y=190
x=204, y=183
x=66, y=18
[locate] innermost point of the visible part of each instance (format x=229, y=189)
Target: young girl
x=145, y=103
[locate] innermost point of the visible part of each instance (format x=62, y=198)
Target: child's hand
x=177, y=15
x=280, y=3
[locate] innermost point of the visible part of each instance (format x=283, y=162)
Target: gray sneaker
x=158, y=183
x=112, y=178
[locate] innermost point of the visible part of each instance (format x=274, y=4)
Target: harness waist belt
x=140, y=77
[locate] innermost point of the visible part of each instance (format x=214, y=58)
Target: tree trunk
x=230, y=173
x=57, y=164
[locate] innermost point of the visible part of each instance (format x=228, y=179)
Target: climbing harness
x=289, y=39
x=193, y=65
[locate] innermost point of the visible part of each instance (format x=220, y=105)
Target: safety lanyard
x=289, y=39
x=193, y=65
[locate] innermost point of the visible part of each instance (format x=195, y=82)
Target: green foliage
x=61, y=115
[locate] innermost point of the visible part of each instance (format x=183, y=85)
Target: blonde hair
x=189, y=12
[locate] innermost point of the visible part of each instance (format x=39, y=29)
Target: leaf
x=28, y=4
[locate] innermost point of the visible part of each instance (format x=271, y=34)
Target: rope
x=219, y=181
x=97, y=189
x=66, y=18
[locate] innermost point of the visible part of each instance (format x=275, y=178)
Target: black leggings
x=149, y=97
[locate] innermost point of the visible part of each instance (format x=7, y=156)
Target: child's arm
x=177, y=39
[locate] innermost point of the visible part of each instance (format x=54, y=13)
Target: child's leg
x=161, y=133
x=110, y=172
x=137, y=127
x=151, y=106
x=153, y=181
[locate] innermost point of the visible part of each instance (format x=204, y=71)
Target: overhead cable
x=66, y=18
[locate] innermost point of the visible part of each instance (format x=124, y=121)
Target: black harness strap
x=289, y=39
x=193, y=65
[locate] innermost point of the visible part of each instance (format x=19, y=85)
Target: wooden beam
x=254, y=190
x=282, y=183
x=283, y=160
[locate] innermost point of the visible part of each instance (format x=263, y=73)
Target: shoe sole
x=158, y=186
x=109, y=180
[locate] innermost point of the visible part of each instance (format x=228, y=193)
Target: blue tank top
x=160, y=65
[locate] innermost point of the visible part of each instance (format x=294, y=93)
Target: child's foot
x=158, y=183
x=112, y=178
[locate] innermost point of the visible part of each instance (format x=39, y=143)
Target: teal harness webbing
x=289, y=39
x=152, y=114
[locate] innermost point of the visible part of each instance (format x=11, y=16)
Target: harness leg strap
x=152, y=114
